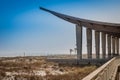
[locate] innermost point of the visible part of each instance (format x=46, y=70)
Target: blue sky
x=26, y=28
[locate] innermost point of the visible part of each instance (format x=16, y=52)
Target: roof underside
x=110, y=28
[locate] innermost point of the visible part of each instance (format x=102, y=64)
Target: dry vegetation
x=37, y=68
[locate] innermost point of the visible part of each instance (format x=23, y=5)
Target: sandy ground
x=38, y=68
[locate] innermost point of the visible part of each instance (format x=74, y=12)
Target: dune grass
x=29, y=64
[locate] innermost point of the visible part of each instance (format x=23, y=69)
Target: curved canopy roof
x=112, y=28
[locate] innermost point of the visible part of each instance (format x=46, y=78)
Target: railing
x=108, y=71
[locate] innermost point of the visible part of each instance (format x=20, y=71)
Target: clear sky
x=26, y=28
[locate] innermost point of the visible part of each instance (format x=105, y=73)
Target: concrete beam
x=103, y=37
x=89, y=42
x=79, y=41
x=109, y=45
x=114, y=34
x=97, y=44
x=96, y=25
x=102, y=28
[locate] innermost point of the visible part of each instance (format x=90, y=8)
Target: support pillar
x=103, y=45
x=89, y=43
x=117, y=45
x=79, y=41
x=97, y=44
x=113, y=46
x=109, y=45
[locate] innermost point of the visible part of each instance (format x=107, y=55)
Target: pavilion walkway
x=109, y=33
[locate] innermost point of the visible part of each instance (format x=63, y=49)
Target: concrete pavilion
x=108, y=31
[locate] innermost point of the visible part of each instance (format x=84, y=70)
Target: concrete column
x=89, y=42
x=109, y=45
x=79, y=41
x=117, y=45
x=113, y=46
x=103, y=45
x=97, y=44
